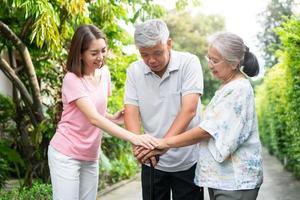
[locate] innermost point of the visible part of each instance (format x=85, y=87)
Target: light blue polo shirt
x=159, y=101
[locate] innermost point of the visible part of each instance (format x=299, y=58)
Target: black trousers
x=180, y=183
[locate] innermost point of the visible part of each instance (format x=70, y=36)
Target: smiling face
x=220, y=68
x=157, y=57
x=94, y=57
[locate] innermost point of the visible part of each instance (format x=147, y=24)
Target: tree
x=34, y=36
x=273, y=16
x=190, y=33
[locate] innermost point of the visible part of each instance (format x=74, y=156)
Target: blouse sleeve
x=72, y=88
x=225, y=122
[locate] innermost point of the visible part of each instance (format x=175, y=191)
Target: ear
x=169, y=43
x=234, y=66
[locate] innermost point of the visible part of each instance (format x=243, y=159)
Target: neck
x=233, y=76
x=161, y=73
x=89, y=72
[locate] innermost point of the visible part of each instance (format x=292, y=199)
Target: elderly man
x=162, y=93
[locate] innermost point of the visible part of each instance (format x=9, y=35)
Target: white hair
x=229, y=45
x=234, y=51
x=150, y=33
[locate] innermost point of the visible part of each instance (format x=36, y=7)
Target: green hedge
x=278, y=99
x=38, y=191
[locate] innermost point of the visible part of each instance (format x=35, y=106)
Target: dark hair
x=250, y=64
x=234, y=51
x=81, y=41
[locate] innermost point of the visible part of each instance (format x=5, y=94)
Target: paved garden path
x=278, y=185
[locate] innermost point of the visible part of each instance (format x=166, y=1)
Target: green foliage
x=278, y=99
x=118, y=164
x=276, y=13
x=10, y=159
x=124, y=167
x=38, y=191
x=4, y=169
x=181, y=4
x=118, y=66
x=271, y=103
x=7, y=114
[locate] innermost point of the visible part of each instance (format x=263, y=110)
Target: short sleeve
x=72, y=88
x=225, y=121
x=130, y=96
x=193, y=77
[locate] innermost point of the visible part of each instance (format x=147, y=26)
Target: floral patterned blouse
x=231, y=159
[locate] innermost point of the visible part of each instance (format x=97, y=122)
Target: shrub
x=38, y=191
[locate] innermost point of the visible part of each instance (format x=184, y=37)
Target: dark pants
x=180, y=183
x=215, y=194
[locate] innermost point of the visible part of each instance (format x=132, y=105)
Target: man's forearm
x=180, y=123
x=132, y=119
x=185, y=115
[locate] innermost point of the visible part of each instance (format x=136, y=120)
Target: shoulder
x=187, y=62
x=70, y=77
x=239, y=88
x=241, y=84
x=71, y=82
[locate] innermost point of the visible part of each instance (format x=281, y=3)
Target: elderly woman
x=230, y=161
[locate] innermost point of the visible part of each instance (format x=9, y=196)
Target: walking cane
x=152, y=177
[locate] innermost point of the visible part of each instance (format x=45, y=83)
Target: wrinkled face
x=219, y=67
x=94, y=56
x=157, y=57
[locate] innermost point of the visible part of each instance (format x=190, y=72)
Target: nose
x=210, y=65
x=100, y=56
x=151, y=60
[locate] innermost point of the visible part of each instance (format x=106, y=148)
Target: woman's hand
x=145, y=140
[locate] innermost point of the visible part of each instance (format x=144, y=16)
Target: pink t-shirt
x=75, y=136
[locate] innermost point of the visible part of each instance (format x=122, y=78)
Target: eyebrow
x=214, y=58
x=96, y=50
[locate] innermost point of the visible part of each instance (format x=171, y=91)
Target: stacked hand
x=145, y=141
x=143, y=155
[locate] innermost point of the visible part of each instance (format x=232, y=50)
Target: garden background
x=34, y=40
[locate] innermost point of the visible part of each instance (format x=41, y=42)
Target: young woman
x=74, y=149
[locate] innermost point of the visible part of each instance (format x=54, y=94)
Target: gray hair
x=234, y=51
x=229, y=45
x=150, y=33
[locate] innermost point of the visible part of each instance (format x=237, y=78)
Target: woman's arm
x=117, y=118
x=89, y=110
x=186, y=138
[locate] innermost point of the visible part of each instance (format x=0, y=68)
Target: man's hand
x=139, y=152
x=118, y=117
x=151, y=155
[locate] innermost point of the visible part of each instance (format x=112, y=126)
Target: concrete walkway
x=278, y=185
